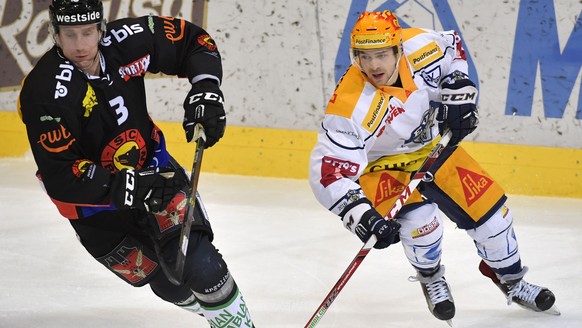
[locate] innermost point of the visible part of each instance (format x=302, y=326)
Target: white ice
x=285, y=252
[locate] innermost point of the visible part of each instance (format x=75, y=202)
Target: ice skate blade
x=553, y=310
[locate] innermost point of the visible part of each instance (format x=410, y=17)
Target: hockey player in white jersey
x=404, y=87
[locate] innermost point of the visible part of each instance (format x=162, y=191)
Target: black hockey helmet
x=76, y=12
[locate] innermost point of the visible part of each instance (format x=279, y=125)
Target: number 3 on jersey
x=118, y=105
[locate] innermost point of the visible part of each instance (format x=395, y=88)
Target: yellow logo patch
x=425, y=55
x=376, y=111
x=89, y=101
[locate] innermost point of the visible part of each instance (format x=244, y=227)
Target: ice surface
x=285, y=252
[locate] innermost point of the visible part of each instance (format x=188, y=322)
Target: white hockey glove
x=364, y=221
x=458, y=111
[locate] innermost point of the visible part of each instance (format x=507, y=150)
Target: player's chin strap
x=423, y=174
x=175, y=274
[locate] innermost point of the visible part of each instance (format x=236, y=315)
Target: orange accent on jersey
x=474, y=184
x=408, y=85
x=170, y=28
x=347, y=93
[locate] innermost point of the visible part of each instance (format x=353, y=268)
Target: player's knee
x=496, y=241
x=206, y=273
x=422, y=226
x=421, y=235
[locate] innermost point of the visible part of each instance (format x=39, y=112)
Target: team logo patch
x=333, y=169
x=432, y=77
x=474, y=185
x=89, y=101
x=135, y=265
x=173, y=214
x=388, y=188
x=127, y=150
x=81, y=166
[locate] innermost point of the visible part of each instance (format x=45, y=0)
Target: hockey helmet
x=375, y=30
x=76, y=12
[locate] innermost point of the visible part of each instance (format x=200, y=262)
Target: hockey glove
x=149, y=189
x=365, y=221
x=458, y=111
x=205, y=105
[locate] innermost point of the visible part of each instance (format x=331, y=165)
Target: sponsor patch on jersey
x=376, y=112
x=425, y=55
x=333, y=169
x=127, y=150
x=426, y=229
x=89, y=101
x=394, y=111
x=56, y=140
x=173, y=32
x=388, y=187
x=136, y=68
x=474, y=184
x=206, y=41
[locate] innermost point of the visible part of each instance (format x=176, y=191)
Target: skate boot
x=521, y=292
x=437, y=293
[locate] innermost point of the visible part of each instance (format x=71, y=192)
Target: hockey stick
x=175, y=275
x=422, y=174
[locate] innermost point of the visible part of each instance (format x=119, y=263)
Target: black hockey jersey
x=83, y=129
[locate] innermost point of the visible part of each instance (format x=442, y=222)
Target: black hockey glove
x=205, y=105
x=369, y=223
x=149, y=189
x=458, y=111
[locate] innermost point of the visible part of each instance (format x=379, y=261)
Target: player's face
x=80, y=45
x=378, y=64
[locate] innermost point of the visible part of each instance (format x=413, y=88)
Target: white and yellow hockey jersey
x=365, y=124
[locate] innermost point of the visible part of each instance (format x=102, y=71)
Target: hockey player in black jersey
x=103, y=161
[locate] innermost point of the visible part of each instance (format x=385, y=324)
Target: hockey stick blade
x=423, y=174
x=175, y=275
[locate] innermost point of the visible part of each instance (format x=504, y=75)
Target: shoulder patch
x=425, y=55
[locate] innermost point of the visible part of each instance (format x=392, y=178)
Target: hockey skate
x=438, y=294
x=521, y=292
